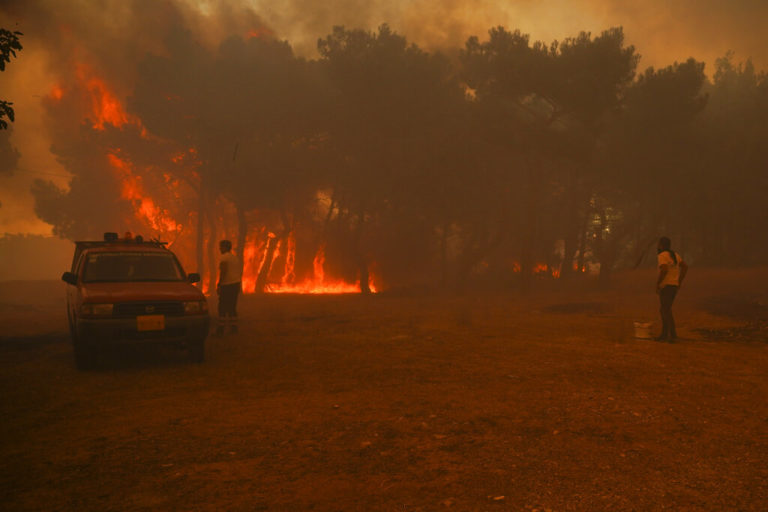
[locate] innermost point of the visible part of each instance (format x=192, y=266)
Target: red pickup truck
x=132, y=291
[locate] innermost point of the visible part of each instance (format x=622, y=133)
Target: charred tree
x=242, y=233
x=581, y=261
x=200, y=235
x=269, y=254
x=530, y=226
x=262, y=280
x=212, y=246
x=360, y=259
x=362, y=265
x=574, y=220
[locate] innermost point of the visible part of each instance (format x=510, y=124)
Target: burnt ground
x=400, y=402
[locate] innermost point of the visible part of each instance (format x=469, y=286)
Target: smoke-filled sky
x=116, y=34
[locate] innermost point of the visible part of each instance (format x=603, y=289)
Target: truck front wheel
x=85, y=354
x=197, y=350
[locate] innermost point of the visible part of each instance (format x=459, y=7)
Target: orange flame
x=259, y=33
x=157, y=218
x=105, y=106
x=318, y=283
x=254, y=255
x=57, y=92
x=108, y=111
x=289, y=274
x=184, y=156
x=251, y=252
x=538, y=268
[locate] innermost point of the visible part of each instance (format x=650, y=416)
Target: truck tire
x=85, y=354
x=197, y=350
x=72, y=331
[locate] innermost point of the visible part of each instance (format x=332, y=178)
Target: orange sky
x=662, y=31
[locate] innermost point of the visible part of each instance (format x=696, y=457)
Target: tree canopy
x=9, y=45
x=498, y=163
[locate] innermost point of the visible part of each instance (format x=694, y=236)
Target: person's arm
x=683, y=271
x=222, y=271
x=663, y=269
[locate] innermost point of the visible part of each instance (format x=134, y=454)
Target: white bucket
x=643, y=330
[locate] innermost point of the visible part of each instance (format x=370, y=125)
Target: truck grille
x=167, y=334
x=131, y=309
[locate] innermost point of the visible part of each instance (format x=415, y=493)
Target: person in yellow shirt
x=672, y=270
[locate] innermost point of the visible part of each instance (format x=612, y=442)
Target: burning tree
x=391, y=104
x=515, y=159
x=209, y=138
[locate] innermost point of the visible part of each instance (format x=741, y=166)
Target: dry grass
x=399, y=403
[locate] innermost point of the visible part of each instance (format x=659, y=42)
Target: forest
x=499, y=164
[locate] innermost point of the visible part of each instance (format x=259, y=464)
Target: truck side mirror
x=69, y=278
x=194, y=277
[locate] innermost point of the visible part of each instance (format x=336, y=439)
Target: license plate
x=150, y=322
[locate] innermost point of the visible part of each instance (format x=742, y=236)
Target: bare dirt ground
x=401, y=402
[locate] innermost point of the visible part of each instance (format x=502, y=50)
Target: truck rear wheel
x=85, y=356
x=197, y=350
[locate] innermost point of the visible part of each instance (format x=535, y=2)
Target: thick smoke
x=704, y=29
x=91, y=52
x=141, y=96
x=114, y=35
x=121, y=31
x=663, y=31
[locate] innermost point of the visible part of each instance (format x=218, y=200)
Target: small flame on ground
x=318, y=284
x=538, y=268
x=254, y=254
x=57, y=92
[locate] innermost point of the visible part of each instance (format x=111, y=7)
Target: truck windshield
x=131, y=266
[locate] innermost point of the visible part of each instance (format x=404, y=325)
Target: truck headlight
x=96, y=309
x=195, y=307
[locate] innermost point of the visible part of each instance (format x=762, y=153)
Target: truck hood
x=140, y=291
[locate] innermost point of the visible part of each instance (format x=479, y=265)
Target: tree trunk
x=199, y=242
x=269, y=254
x=444, y=257
x=530, y=229
x=212, y=246
x=242, y=233
x=262, y=280
x=467, y=259
x=569, y=251
x=362, y=263
x=604, y=252
x=582, y=261
x=571, y=236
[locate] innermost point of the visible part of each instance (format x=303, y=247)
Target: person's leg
x=229, y=292
x=233, y=311
x=666, y=297
x=221, y=312
x=672, y=294
x=663, y=313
